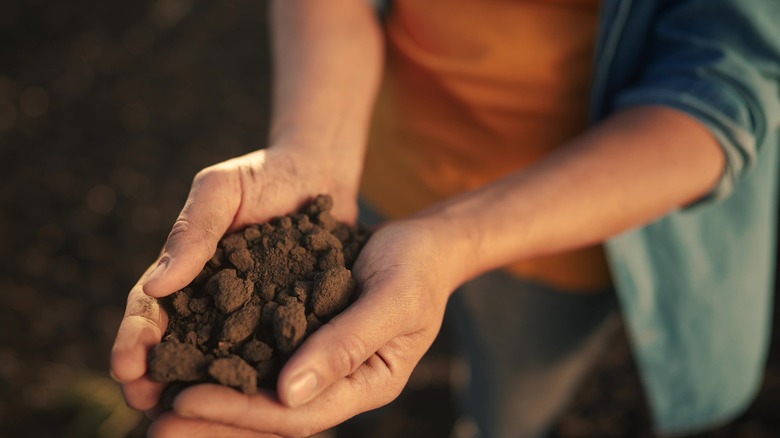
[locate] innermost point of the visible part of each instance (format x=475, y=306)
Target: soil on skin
x=263, y=292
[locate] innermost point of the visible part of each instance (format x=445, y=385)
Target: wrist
x=452, y=247
x=319, y=171
x=330, y=149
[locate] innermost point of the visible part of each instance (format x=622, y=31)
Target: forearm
x=328, y=60
x=626, y=172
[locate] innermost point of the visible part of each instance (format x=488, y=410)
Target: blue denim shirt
x=696, y=287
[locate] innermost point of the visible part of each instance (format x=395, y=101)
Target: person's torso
x=473, y=91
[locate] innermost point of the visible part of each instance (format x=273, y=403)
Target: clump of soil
x=265, y=290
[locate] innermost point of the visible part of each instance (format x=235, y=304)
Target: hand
x=358, y=361
x=224, y=197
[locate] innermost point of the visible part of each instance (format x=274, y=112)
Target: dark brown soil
x=263, y=292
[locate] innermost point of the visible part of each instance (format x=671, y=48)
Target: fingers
x=141, y=328
x=371, y=386
x=136, y=335
x=341, y=346
x=208, y=213
x=170, y=426
x=142, y=393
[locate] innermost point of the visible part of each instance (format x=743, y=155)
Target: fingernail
x=302, y=388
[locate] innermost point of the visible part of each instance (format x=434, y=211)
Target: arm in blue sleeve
x=718, y=60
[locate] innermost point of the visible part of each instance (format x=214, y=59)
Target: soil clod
x=177, y=362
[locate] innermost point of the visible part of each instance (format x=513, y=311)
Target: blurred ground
x=107, y=110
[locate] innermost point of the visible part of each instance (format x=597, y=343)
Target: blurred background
x=107, y=111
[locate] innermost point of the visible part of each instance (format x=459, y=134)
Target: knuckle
x=248, y=171
x=349, y=354
x=180, y=228
x=207, y=175
x=217, y=175
x=184, y=233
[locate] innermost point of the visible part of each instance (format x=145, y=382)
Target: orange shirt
x=473, y=91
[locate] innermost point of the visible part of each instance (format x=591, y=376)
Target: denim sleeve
x=719, y=61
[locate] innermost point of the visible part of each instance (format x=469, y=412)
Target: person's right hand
x=359, y=360
x=227, y=196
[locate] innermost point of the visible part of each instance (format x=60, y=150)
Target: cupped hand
x=358, y=361
x=227, y=196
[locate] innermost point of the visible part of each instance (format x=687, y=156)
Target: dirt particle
x=284, y=222
x=303, y=223
x=204, y=333
x=233, y=242
x=234, y=371
x=176, y=362
x=300, y=291
x=319, y=204
x=321, y=240
x=257, y=351
x=242, y=260
x=181, y=302
x=198, y=305
x=252, y=233
x=331, y=292
x=241, y=324
x=266, y=291
x=326, y=221
x=331, y=259
x=289, y=325
x=229, y=291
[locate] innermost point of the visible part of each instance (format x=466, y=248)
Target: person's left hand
x=358, y=361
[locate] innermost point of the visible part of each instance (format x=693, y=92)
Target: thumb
x=338, y=349
x=208, y=213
